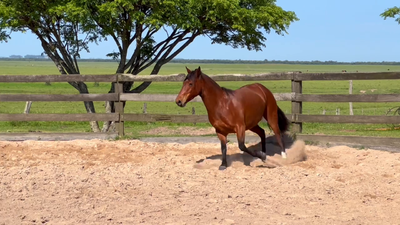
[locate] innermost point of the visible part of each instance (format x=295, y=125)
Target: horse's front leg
x=223, y=140
x=241, y=138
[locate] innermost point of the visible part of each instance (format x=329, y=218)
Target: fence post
x=119, y=109
x=28, y=106
x=351, y=92
x=297, y=107
x=144, y=108
x=194, y=113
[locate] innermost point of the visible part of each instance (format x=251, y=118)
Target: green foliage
x=60, y=34
x=393, y=12
x=241, y=23
x=238, y=23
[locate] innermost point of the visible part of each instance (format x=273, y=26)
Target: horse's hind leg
x=261, y=133
x=223, y=140
x=241, y=137
x=272, y=118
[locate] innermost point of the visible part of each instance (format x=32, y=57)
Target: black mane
x=192, y=74
x=227, y=90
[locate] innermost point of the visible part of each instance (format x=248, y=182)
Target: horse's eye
x=190, y=84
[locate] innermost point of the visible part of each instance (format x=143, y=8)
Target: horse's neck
x=211, y=93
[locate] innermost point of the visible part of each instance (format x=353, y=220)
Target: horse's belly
x=229, y=126
x=223, y=125
x=252, y=122
x=246, y=112
x=253, y=114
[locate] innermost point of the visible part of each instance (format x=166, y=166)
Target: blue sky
x=341, y=30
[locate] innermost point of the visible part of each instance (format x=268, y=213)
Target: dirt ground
x=133, y=182
x=188, y=131
x=180, y=131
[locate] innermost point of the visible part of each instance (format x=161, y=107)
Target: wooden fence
x=296, y=97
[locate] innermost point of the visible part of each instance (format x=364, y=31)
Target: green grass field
x=133, y=129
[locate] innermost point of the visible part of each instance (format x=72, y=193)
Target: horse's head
x=191, y=87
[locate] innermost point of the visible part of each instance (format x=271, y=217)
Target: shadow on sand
x=294, y=149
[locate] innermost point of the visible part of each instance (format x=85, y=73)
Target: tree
x=133, y=24
x=393, y=12
x=60, y=37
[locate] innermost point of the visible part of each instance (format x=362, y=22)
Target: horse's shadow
x=271, y=145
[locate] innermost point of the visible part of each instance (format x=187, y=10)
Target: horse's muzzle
x=180, y=103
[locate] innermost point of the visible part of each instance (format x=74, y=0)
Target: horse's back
x=247, y=104
x=254, y=90
x=251, y=101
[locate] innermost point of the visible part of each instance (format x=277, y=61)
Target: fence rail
x=171, y=98
x=347, y=98
x=296, y=97
x=60, y=117
x=58, y=78
x=55, y=98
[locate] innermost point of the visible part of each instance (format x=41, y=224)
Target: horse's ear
x=198, y=72
x=187, y=69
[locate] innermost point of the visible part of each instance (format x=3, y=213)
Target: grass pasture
x=134, y=129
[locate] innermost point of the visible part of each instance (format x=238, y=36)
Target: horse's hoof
x=222, y=167
x=262, y=156
x=283, y=154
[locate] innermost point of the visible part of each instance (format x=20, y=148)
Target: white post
x=28, y=106
x=351, y=92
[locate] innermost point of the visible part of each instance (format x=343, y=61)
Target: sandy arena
x=133, y=182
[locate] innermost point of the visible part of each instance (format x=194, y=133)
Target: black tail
x=283, y=121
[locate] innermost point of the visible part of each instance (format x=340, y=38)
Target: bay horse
x=235, y=111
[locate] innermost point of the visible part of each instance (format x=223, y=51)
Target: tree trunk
x=90, y=109
x=109, y=105
x=65, y=66
x=89, y=106
x=109, y=125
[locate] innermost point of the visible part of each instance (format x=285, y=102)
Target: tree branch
x=135, y=55
x=68, y=61
x=166, y=47
x=166, y=58
x=77, y=48
x=180, y=49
